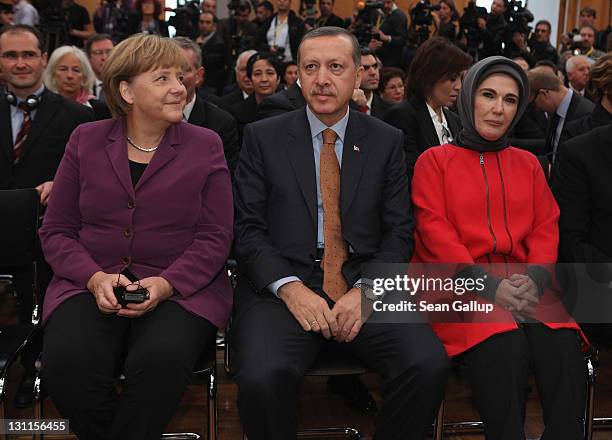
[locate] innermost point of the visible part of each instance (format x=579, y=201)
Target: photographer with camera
x=281, y=34
x=238, y=32
x=115, y=18
x=582, y=44
x=540, y=43
x=493, y=29
x=390, y=36
x=137, y=231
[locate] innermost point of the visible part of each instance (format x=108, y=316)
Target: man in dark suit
x=562, y=105
x=370, y=102
x=581, y=184
x=327, y=16
x=301, y=245
x=282, y=102
x=200, y=112
x=243, y=87
x=390, y=39
x=35, y=124
x=215, y=54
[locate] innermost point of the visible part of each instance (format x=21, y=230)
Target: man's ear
x=200, y=75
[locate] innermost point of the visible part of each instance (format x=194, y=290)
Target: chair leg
x=3, y=405
x=39, y=405
x=590, y=403
x=212, y=405
x=438, y=427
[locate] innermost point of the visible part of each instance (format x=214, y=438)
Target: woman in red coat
x=482, y=202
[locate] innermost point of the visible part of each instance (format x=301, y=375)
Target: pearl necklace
x=138, y=147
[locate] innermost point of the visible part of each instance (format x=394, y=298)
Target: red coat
x=485, y=208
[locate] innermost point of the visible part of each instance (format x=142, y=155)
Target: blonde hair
x=601, y=76
x=89, y=77
x=135, y=55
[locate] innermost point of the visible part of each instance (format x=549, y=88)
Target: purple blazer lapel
x=164, y=154
x=117, y=154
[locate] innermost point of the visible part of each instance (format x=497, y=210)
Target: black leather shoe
x=25, y=393
x=355, y=394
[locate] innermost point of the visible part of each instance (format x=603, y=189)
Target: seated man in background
x=205, y=114
x=37, y=124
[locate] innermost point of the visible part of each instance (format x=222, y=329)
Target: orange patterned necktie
x=336, y=250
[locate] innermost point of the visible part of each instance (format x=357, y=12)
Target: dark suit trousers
x=498, y=369
x=84, y=350
x=272, y=354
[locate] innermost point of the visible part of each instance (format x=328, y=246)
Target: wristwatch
x=368, y=291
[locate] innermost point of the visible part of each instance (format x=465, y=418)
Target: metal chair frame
x=22, y=254
x=589, y=422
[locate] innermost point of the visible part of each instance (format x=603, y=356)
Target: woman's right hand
x=101, y=285
x=509, y=297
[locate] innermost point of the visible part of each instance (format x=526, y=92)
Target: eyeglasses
x=27, y=55
x=535, y=96
x=100, y=52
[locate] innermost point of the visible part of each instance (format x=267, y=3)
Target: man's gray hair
x=333, y=31
x=570, y=64
x=246, y=54
x=188, y=44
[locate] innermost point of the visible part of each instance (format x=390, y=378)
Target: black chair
x=329, y=363
x=589, y=422
x=18, y=249
x=205, y=372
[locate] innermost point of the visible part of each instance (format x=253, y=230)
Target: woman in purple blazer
x=145, y=199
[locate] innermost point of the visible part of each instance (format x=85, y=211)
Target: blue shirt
x=316, y=132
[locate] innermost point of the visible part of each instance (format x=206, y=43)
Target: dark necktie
x=336, y=249
x=23, y=132
x=550, y=141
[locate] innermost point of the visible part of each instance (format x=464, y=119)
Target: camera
x=370, y=14
x=469, y=26
x=421, y=18
x=518, y=17
x=125, y=297
x=185, y=19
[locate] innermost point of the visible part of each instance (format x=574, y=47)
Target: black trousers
x=83, y=351
x=272, y=354
x=498, y=368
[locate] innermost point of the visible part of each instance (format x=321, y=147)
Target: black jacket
x=244, y=112
x=379, y=106
x=231, y=99
x=296, y=32
x=413, y=118
x=583, y=189
x=395, y=25
x=215, y=57
x=597, y=118
x=579, y=107
x=332, y=20
x=55, y=119
x=281, y=102
x=205, y=114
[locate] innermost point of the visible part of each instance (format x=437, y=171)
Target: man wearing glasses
x=98, y=47
x=36, y=124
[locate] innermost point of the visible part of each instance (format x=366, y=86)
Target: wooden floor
x=317, y=408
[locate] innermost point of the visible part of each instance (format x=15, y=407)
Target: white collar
x=189, y=107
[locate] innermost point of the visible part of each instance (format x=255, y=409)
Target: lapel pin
x=356, y=148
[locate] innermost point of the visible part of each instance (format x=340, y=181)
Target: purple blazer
x=176, y=223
